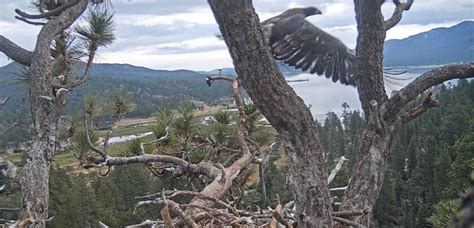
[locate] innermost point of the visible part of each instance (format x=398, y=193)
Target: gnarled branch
x=54, y=12
x=397, y=13
x=205, y=168
x=428, y=103
x=30, y=22
x=15, y=52
x=431, y=78
x=177, y=209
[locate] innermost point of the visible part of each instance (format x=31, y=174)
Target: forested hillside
x=437, y=46
x=149, y=88
x=432, y=160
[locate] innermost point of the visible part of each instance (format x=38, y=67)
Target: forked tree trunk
x=279, y=103
x=374, y=150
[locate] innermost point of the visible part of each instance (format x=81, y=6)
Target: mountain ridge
x=443, y=45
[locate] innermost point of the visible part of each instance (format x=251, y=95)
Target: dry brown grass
x=127, y=122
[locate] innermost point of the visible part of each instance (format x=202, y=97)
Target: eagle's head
x=309, y=11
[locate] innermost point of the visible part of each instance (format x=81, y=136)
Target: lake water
x=324, y=96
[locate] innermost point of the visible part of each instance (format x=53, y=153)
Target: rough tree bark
x=46, y=109
x=368, y=173
x=278, y=102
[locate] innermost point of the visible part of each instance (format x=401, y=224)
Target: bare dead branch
x=15, y=52
x=428, y=103
x=187, y=219
x=175, y=193
x=210, y=79
x=233, y=151
x=214, y=213
x=205, y=168
x=145, y=159
x=276, y=213
x=397, y=13
x=338, y=189
x=147, y=223
x=347, y=222
x=297, y=80
x=54, y=12
x=218, y=188
x=428, y=79
x=278, y=217
x=163, y=138
x=102, y=225
x=165, y=215
x=30, y=22
x=147, y=202
x=336, y=169
x=175, y=207
x=350, y=213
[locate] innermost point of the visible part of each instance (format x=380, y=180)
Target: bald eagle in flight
x=298, y=43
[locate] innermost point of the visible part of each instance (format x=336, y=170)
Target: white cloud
x=294, y=4
x=201, y=42
x=336, y=9
x=198, y=16
x=176, y=31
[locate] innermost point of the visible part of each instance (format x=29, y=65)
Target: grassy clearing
x=128, y=130
x=16, y=158
x=138, y=121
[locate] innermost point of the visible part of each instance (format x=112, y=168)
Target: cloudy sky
x=179, y=34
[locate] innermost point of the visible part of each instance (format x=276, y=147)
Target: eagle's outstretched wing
x=301, y=44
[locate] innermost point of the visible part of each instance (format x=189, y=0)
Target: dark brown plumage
x=300, y=44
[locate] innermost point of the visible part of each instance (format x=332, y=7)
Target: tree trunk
x=45, y=112
x=374, y=150
x=46, y=109
x=278, y=102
